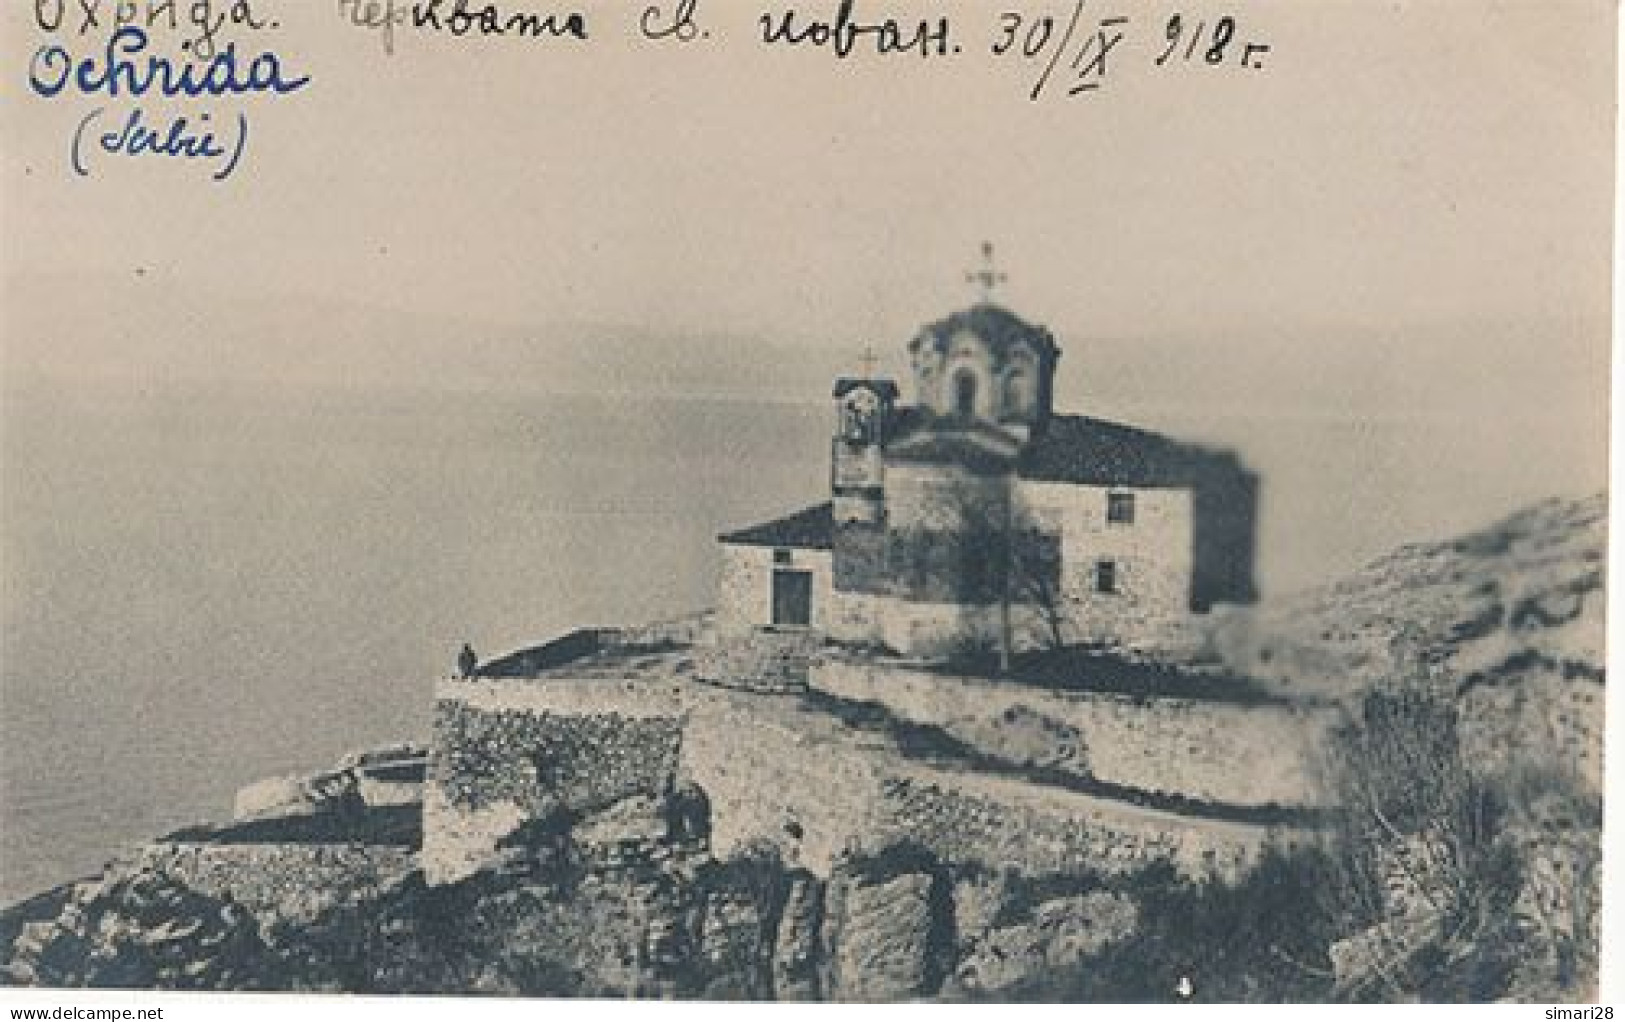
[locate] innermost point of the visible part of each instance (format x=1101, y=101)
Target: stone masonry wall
x=776, y=774
x=774, y=782
x=1000, y=823
x=1213, y=751
x=763, y=661
x=1153, y=557
x=507, y=754
x=745, y=589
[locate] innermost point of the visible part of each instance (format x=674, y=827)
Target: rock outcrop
x=885, y=936
x=1061, y=936
x=143, y=930
x=1508, y=620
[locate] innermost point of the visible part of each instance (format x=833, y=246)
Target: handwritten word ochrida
x=120, y=70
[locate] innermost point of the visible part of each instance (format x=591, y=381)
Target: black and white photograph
x=862, y=501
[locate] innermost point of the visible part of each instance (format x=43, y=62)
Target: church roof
x=1079, y=449
x=811, y=528
x=995, y=324
x=885, y=388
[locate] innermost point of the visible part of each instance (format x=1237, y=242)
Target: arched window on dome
x=1018, y=394
x=965, y=394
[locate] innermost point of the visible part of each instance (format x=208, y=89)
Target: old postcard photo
x=831, y=500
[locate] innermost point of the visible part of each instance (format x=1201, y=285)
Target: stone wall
x=761, y=661
x=280, y=883
x=571, y=763
x=1212, y=751
x=774, y=781
x=1152, y=557
x=685, y=630
x=745, y=587
x=859, y=557
x=856, y=617
x=1000, y=823
x=780, y=775
x=508, y=753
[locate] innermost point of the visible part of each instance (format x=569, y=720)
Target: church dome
x=997, y=327
x=984, y=363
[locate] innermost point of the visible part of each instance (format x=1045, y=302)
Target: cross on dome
x=988, y=277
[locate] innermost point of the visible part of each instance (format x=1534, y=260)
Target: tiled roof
x=808, y=529
x=1078, y=449
x=994, y=324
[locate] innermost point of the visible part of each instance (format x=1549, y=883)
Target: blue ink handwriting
x=122, y=69
x=134, y=137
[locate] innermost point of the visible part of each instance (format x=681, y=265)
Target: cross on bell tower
x=868, y=359
x=988, y=277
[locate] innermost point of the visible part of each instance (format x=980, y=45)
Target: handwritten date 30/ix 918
x=1081, y=51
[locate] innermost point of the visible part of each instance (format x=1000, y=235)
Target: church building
x=980, y=518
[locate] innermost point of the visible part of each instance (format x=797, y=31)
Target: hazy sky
x=1405, y=214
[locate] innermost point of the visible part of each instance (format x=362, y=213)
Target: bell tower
x=864, y=406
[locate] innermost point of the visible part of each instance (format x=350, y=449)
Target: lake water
x=206, y=587
x=201, y=592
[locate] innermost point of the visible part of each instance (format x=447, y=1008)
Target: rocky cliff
x=579, y=907
x=1507, y=621
x=1475, y=669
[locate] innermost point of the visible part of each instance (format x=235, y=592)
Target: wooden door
x=792, y=598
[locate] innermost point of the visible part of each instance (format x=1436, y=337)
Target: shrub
x=1420, y=866
x=1259, y=939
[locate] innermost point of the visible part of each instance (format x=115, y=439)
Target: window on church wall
x=1120, y=508
x=1106, y=577
x=964, y=394
x=1018, y=396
